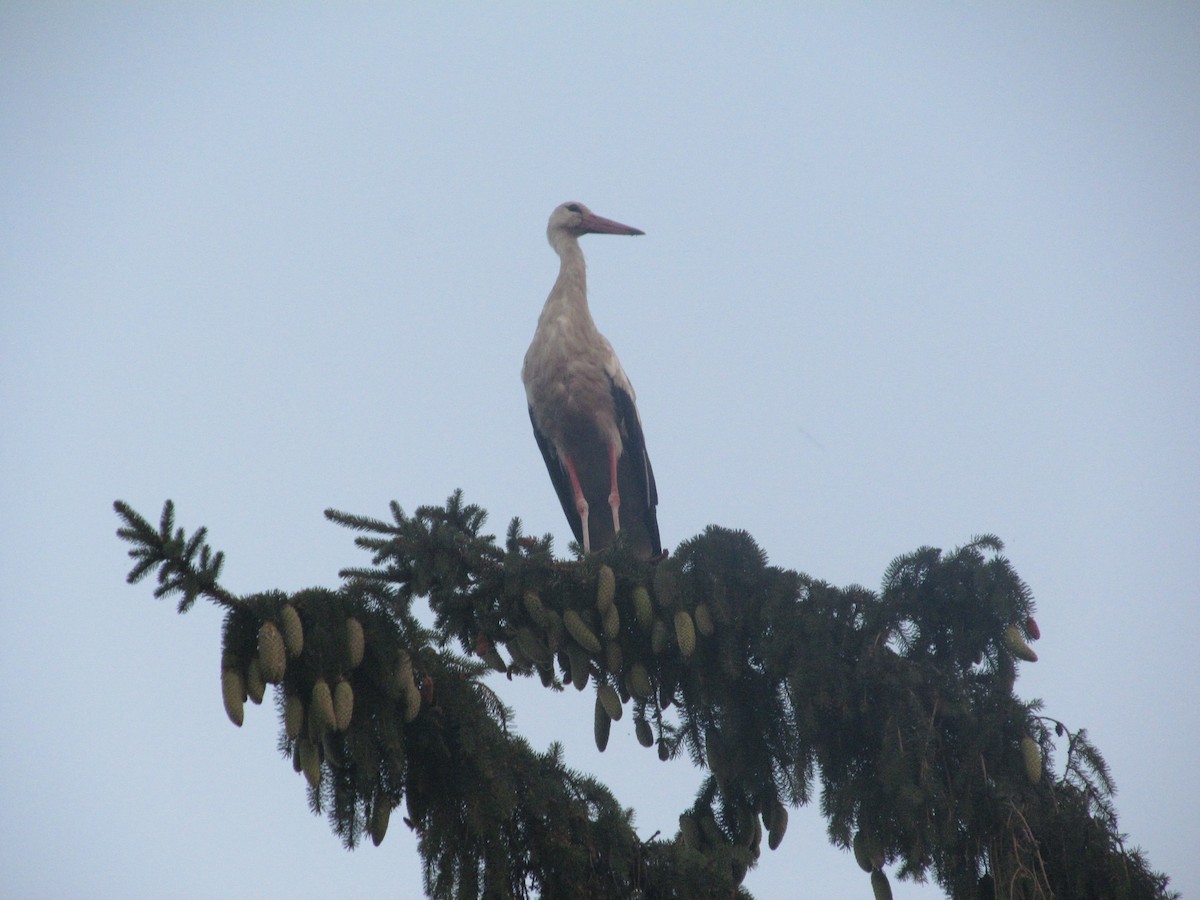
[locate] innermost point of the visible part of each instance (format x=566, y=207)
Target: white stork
x=582, y=405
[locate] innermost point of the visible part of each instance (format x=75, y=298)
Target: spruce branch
x=175, y=556
x=897, y=705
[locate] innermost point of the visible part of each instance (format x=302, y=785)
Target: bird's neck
x=569, y=293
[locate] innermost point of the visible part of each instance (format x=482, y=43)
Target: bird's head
x=573, y=219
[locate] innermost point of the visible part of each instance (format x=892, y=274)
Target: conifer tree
x=895, y=707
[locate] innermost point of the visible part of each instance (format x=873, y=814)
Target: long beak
x=593, y=224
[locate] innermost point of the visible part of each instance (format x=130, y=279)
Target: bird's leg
x=581, y=504
x=614, y=495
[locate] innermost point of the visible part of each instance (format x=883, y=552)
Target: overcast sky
x=910, y=273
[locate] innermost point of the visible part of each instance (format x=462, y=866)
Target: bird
x=583, y=407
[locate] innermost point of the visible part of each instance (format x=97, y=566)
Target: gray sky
x=910, y=274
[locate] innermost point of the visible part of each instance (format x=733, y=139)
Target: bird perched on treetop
x=583, y=407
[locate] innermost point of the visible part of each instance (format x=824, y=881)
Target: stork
x=582, y=406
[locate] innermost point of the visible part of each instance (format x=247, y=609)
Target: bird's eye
x=574, y=207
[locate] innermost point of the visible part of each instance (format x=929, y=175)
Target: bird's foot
x=614, y=494
x=581, y=507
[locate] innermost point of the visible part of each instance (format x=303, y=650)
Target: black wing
x=559, y=477
x=635, y=477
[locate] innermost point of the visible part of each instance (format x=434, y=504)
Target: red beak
x=593, y=224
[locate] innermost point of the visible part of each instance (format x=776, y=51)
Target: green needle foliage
x=896, y=706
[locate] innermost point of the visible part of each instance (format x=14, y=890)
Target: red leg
x=614, y=495
x=581, y=504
